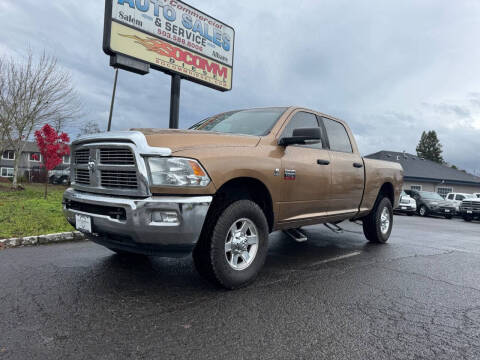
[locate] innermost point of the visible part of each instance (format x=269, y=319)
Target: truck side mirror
x=302, y=136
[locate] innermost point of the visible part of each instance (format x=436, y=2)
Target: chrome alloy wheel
x=241, y=244
x=385, y=221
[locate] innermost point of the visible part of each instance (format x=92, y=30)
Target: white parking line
x=337, y=258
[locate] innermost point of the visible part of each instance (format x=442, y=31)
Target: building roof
x=30, y=146
x=419, y=169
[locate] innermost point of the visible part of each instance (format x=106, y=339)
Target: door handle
x=323, y=162
x=357, y=165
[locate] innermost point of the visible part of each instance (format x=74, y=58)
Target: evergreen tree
x=429, y=147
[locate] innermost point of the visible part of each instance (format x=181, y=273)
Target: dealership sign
x=172, y=37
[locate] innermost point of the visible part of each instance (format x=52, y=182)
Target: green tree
x=429, y=147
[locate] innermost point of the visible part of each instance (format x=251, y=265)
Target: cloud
x=390, y=69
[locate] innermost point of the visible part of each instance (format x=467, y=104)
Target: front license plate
x=469, y=212
x=447, y=211
x=83, y=223
x=404, y=208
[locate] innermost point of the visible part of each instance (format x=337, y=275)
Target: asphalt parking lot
x=334, y=297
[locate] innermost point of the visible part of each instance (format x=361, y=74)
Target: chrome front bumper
x=140, y=228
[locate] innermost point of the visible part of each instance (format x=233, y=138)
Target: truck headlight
x=177, y=172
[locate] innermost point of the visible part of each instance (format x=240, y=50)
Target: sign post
x=113, y=101
x=173, y=37
x=175, y=101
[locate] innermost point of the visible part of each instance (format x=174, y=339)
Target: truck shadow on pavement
x=139, y=273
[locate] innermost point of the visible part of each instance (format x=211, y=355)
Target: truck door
x=305, y=174
x=348, y=173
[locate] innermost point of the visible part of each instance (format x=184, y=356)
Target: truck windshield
x=256, y=122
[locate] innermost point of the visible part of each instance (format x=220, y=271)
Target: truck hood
x=178, y=140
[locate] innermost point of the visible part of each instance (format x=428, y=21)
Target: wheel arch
x=246, y=188
x=387, y=190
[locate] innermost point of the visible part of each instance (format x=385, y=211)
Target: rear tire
x=410, y=214
x=448, y=217
x=233, y=245
x=467, y=218
x=377, y=226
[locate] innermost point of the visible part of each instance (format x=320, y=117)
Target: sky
x=391, y=69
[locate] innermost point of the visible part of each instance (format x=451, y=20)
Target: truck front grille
x=82, y=176
x=115, y=156
x=109, y=167
x=82, y=156
x=119, y=179
x=470, y=205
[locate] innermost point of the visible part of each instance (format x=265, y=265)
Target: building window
x=416, y=187
x=8, y=155
x=66, y=159
x=443, y=191
x=6, y=172
x=35, y=157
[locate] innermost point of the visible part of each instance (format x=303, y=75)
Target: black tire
x=423, y=211
x=372, y=223
x=410, y=214
x=467, y=218
x=448, y=217
x=209, y=255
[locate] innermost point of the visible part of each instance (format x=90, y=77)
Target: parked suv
x=456, y=199
x=407, y=205
x=431, y=203
x=470, y=209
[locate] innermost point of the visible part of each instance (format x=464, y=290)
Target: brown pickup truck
x=219, y=188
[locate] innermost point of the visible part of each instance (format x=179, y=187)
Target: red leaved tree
x=53, y=147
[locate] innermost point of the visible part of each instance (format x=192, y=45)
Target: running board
x=296, y=234
x=334, y=227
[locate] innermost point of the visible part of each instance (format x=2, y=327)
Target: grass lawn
x=26, y=213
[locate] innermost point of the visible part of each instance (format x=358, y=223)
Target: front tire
x=233, y=245
x=377, y=226
x=423, y=211
x=468, y=218
x=448, y=217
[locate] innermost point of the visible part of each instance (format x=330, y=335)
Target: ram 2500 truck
x=218, y=189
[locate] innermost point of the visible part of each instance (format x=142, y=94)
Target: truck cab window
x=337, y=136
x=302, y=120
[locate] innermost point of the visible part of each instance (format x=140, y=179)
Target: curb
x=41, y=240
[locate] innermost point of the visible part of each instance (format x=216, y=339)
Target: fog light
x=165, y=217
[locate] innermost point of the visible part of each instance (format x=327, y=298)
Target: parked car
x=59, y=177
x=470, y=209
x=219, y=188
x=456, y=199
x=407, y=205
x=431, y=203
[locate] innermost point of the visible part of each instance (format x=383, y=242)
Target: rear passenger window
x=302, y=120
x=450, y=197
x=337, y=136
x=460, y=198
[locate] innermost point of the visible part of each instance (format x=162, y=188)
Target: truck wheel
x=377, y=226
x=448, y=217
x=233, y=245
x=423, y=211
x=467, y=218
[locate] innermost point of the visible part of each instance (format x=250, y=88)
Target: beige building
x=426, y=175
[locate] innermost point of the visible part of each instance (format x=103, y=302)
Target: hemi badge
x=290, y=174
